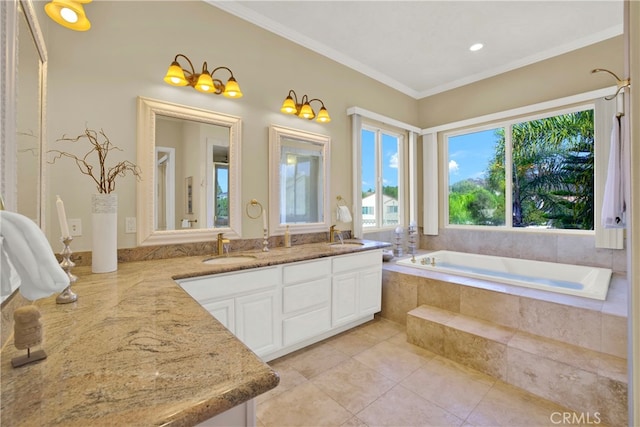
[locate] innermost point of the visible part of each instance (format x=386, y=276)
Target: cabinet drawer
x=305, y=295
x=226, y=284
x=305, y=326
x=357, y=261
x=304, y=271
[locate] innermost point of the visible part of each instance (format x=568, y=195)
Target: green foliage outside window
x=552, y=177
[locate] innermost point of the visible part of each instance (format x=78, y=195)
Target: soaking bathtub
x=588, y=282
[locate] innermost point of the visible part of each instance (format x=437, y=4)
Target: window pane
x=553, y=172
x=389, y=180
x=368, y=166
x=476, y=178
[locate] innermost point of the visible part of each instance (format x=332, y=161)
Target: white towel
x=343, y=214
x=10, y=280
x=613, y=204
x=26, y=251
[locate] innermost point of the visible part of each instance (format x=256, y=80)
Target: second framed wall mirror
x=298, y=181
x=190, y=188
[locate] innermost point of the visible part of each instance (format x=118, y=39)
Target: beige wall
x=95, y=77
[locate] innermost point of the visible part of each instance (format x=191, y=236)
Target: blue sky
x=470, y=154
x=223, y=179
x=389, y=160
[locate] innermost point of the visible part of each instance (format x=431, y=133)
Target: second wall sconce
x=203, y=82
x=68, y=13
x=303, y=108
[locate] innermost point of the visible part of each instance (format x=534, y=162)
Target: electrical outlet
x=75, y=226
x=130, y=224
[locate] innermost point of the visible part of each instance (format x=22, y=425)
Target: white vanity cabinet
x=246, y=302
x=306, y=300
x=279, y=309
x=356, y=286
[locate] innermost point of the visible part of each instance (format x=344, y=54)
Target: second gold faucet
x=221, y=243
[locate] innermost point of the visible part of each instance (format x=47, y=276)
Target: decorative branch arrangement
x=105, y=177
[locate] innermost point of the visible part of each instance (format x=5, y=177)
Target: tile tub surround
x=555, y=316
x=538, y=341
x=136, y=349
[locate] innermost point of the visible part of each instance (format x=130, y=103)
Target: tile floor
x=370, y=376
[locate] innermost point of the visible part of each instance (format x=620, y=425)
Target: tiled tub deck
x=567, y=349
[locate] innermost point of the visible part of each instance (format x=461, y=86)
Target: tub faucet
x=221, y=243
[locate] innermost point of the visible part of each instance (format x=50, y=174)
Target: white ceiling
x=422, y=47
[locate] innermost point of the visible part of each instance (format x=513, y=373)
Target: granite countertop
x=135, y=349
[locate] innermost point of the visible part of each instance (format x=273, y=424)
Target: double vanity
x=137, y=349
x=280, y=308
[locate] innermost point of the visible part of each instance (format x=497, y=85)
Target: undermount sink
x=231, y=259
x=338, y=245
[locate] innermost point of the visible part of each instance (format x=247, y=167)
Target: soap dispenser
x=287, y=238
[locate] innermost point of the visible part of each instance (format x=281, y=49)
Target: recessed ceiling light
x=476, y=47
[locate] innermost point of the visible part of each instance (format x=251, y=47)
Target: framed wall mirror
x=30, y=83
x=190, y=186
x=23, y=69
x=23, y=76
x=298, y=181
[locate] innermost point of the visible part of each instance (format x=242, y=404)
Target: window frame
x=403, y=141
x=507, y=124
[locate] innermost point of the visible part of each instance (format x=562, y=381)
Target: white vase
x=104, y=228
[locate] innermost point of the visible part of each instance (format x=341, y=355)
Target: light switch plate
x=130, y=224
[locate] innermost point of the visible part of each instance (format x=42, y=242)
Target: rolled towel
x=25, y=247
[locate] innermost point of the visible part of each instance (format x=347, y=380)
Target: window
x=367, y=210
x=535, y=173
x=381, y=178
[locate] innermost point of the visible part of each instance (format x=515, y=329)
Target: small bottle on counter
x=287, y=238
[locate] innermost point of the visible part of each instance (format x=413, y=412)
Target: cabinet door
x=224, y=311
x=344, y=298
x=257, y=321
x=370, y=291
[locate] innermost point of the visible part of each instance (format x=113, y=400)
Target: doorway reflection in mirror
x=202, y=197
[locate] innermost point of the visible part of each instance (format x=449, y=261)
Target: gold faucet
x=332, y=232
x=221, y=242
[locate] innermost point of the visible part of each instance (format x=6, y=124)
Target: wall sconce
x=203, y=82
x=303, y=109
x=68, y=13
